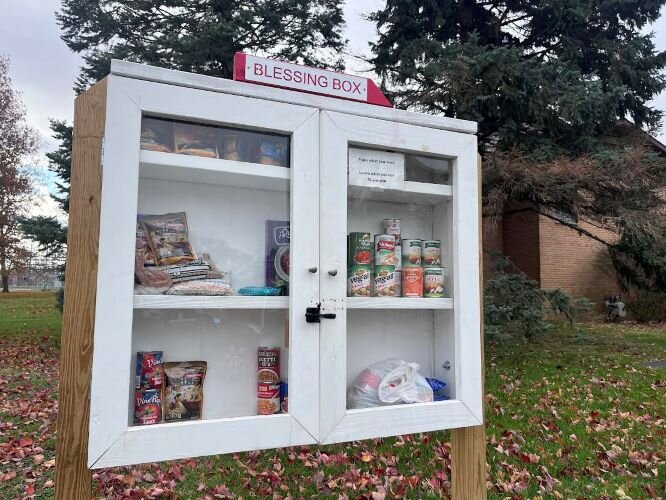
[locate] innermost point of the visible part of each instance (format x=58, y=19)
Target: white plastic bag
x=389, y=382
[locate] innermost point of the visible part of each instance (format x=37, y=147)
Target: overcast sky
x=44, y=69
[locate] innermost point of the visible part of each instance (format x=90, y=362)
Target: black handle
x=313, y=314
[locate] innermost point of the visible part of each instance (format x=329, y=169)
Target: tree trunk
x=5, y=284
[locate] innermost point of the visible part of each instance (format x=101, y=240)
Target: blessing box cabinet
x=233, y=157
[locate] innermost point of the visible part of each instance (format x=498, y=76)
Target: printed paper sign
x=248, y=68
x=376, y=169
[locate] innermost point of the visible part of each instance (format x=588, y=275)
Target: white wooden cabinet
x=227, y=203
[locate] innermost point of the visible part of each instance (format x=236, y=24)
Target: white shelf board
x=209, y=302
x=417, y=193
x=398, y=303
x=187, y=168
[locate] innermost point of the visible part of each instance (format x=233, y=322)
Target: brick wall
x=576, y=263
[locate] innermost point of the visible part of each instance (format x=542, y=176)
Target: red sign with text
x=263, y=71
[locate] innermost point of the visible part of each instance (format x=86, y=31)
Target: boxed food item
x=273, y=151
x=268, y=380
x=196, y=140
x=277, y=253
x=147, y=407
x=156, y=135
x=149, y=370
x=183, y=394
x=168, y=237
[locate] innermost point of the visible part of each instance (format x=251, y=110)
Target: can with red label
x=384, y=250
x=268, y=380
x=412, y=282
x=149, y=370
x=148, y=407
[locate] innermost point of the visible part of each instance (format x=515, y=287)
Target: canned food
x=412, y=282
x=384, y=250
x=411, y=253
x=268, y=399
x=398, y=283
x=391, y=226
x=398, y=253
x=431, y=253
x=148, y=407
x=433, y=282
x=358, y=281
x=384, y=281
x=359, y=249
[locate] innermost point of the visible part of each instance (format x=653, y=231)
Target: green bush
x=513, y=304
x=648, y=307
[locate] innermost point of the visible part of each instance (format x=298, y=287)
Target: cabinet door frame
x=112, y=441
x=338, y=131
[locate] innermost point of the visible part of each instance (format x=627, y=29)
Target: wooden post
x=73, y=478
x=468, y=445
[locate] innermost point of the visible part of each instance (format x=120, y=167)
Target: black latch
x=313, y=314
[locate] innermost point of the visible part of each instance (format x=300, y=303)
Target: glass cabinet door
x=208, y=260
x=399, y=254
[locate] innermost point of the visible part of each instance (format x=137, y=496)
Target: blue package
x=436, y=385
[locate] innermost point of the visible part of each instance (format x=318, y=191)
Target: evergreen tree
x=200, y=36
x=552, y=84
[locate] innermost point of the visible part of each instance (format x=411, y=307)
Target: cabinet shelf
x=398, y=303
x=209, y=302
x=186, y=168
x=417, y=193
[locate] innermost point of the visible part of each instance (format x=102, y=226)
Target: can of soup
x=398, y=283
x=412, y=282
x=384, y=250
x=359, y=249
x=398, y=253
x=384, y=281
x=358, y=281
x=268, y=380
x=147, y=407
x=431, y=253
x=433, y=282
x=411, y=253
x=391, y=226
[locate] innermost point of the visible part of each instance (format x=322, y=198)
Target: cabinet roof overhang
x=202, y=82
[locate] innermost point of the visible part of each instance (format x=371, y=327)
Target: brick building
x=554, y=254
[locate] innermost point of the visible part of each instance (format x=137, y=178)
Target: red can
x=149, y=370
x=147, y=407
x=268, y=380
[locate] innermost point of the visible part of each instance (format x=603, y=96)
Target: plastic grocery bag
x=389, y=382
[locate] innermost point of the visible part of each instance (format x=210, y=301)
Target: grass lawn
x=569, y=416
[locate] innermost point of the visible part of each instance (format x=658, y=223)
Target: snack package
x=149, y=373
x=142, y=246
x=196, y=140
x=183, y=394
x=168, y=238
x=155, y=278
x=156, y=135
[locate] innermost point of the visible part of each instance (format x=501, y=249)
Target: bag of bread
x=183, y=394
x=168, y=238
x=196, y=140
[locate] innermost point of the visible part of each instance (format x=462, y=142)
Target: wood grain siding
x=520, y=234
x=73, y=478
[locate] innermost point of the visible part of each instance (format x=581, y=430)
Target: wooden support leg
x=468, y=445
x=73, y=478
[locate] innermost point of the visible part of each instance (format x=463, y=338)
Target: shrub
x=648, y=306
x=514, y=304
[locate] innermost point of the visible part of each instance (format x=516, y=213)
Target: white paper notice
x=376, y=169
